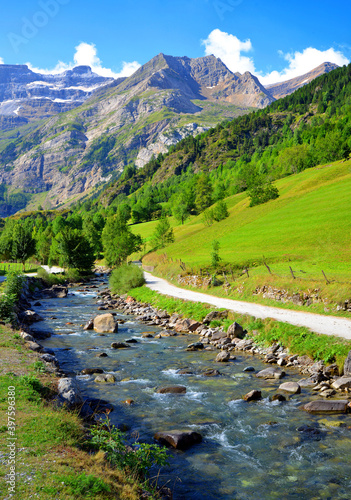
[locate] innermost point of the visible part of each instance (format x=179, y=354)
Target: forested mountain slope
x=311, y=126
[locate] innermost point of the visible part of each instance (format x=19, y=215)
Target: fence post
x=292, y=273
x=326, y=279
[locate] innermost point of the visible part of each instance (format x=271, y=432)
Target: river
x=249, y=450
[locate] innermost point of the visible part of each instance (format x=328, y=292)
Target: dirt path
x=328, y=325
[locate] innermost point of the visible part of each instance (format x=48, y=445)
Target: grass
x=5, y=267
x=298, y=340
x=308, y=228
x=50, y=459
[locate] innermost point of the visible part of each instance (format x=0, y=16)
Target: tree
x=215, y=258
x=6, y=240
x=23, y=244
x=118, y=241
x=43, y=245
x=181, y=208
x=262, y=193
x=163, y=234
x=203, y=191
x=220, y=211
x=75, y=250
x=92, y=234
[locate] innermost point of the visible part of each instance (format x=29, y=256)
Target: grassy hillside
x=308, y=228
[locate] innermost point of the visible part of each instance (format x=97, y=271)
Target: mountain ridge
x=123, y=121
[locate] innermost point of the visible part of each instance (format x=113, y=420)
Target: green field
x=308, y=228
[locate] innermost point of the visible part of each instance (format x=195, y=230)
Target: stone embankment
x=301, y=298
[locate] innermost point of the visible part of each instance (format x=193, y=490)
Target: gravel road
x=328, y=325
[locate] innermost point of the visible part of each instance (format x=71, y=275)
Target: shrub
x=262, y=193
x=12, y=290
x=137, y=459
x=125, y=277
x=48, y=278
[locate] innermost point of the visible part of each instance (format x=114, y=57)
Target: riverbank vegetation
x=51, y=459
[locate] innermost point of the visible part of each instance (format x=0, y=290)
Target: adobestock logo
x=223, y=7
x=32, y=25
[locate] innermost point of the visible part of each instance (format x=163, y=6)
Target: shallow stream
x=249, y=450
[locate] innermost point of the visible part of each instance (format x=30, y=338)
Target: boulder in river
x=119, y=345
x=253, y=395
x=105, y=323
x=271, y=373
x=223, y=357
x=55, y=292
x=292, y=387
x=195, y=346
x=210, y=373
x=327, y=406
x=29, y=317
x=91, y=371
x=105, y=378
x=89, y=325
x=180, y=440
x=172, y=389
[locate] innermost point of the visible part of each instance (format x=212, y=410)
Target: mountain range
x=62, y=136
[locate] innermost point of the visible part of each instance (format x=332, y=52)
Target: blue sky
x=273, y=39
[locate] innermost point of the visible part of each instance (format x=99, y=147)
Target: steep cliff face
x=114, y=122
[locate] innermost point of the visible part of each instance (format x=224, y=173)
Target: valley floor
x=327, y=325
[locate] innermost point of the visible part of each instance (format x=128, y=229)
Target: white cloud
x=86, y=55
x=229, y=48
x=303, y=62
x=1, y=60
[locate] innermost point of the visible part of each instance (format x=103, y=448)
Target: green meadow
x=300, y=235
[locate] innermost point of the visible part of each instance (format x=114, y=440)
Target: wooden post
x=247, y=272
x=269, y=269
x=232, y=274
x=326, y=279
x=292, y=273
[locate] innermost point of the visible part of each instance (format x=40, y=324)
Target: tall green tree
x=118, y=241
x=75, y=250
x=163, y=234
x=23, y=244
x=203, y=191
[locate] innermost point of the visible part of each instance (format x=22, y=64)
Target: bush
x=136, y=460
x=48, y=278
x=126, y=277
x=262, y=193
x=12, y=290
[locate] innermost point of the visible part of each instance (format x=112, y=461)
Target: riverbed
x=249, y=450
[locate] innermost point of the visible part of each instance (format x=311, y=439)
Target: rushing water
x=249, y=450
